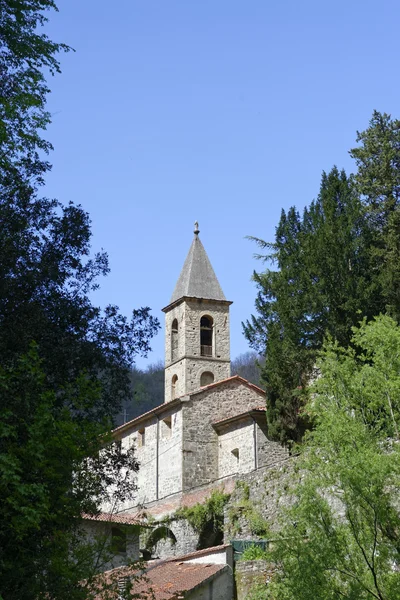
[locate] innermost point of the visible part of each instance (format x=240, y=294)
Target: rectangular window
x=141, y=437
x=167, y=427
x=118, y=540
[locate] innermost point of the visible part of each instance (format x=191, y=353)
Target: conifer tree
x=322, y=285
x=378, y=182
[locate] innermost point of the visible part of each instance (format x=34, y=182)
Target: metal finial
x=196, y=228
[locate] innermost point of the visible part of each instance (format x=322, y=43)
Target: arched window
x=174, y=340
x=173, y=386
x=206, y=336
x=206, y=378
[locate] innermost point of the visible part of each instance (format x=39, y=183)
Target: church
x=211, y=428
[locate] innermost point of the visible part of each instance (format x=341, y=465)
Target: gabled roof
x=174, y=579
x=233, y=378
x=166, y=580
x=154, y=411
x=197, y=278
x=178, y=401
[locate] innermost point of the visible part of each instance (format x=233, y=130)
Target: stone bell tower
x=197, y=342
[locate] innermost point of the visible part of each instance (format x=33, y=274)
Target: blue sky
x=171, y=111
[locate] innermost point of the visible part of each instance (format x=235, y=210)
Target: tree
x=248, y=366
x=322, y=283
x=378, y=182
x=64, y=363
x=26, y=54
x=341, y=538
x=54, y=465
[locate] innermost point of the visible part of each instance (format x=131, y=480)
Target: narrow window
x=206, y=378
x=118, y=540
x=235, y=453
x=206, y=335
x=141, y=437
x=174, y=340
x=173, y=386
x=167, y=427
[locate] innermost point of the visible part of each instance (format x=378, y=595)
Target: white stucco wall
x=238, y=436
x=219, y=588
x=156, y=482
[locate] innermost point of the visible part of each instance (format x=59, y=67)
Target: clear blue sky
x=225, y=112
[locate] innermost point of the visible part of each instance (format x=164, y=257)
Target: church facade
x=211, y=426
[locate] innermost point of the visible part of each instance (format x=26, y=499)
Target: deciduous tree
x=341, y=538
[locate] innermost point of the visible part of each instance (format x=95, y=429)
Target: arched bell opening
x=206, y=336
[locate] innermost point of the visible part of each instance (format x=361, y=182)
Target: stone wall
x=250, y=574
x=186, y=541
x=258, y=498
x=176, y=366
x=188, y=365
x=200, y=440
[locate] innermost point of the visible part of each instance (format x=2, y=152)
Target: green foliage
x=321, y=285
x=64, y=363
x=335, y=264
x=378, y=181
x=342, y=537
x=53, y=467
x=26, y=55
x=254, y=552
x=211, y=511
x=244, y=510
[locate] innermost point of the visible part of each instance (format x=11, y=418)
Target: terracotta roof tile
x=197, y=553
x=122, y=519
x=167, y=580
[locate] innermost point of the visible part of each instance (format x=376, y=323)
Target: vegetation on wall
x=206, y=518
x=244, y=510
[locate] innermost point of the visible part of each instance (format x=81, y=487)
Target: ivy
x=212, y=510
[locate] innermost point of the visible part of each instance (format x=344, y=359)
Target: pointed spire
x=197, y=278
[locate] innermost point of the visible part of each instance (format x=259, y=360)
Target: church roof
x=197, y=278
x=166, y=406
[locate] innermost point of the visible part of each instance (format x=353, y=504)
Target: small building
x=114, y=539
x=203, y=575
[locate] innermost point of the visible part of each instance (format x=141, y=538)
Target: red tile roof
x=168, y=580
x=172, y=579
x=197, y=553
x=122, y=519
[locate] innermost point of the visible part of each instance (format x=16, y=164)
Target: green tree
x=321, y=283
x=26, y=54
x=54, y=465
x=378, y=182
x=341, y=538
x=64, y=363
